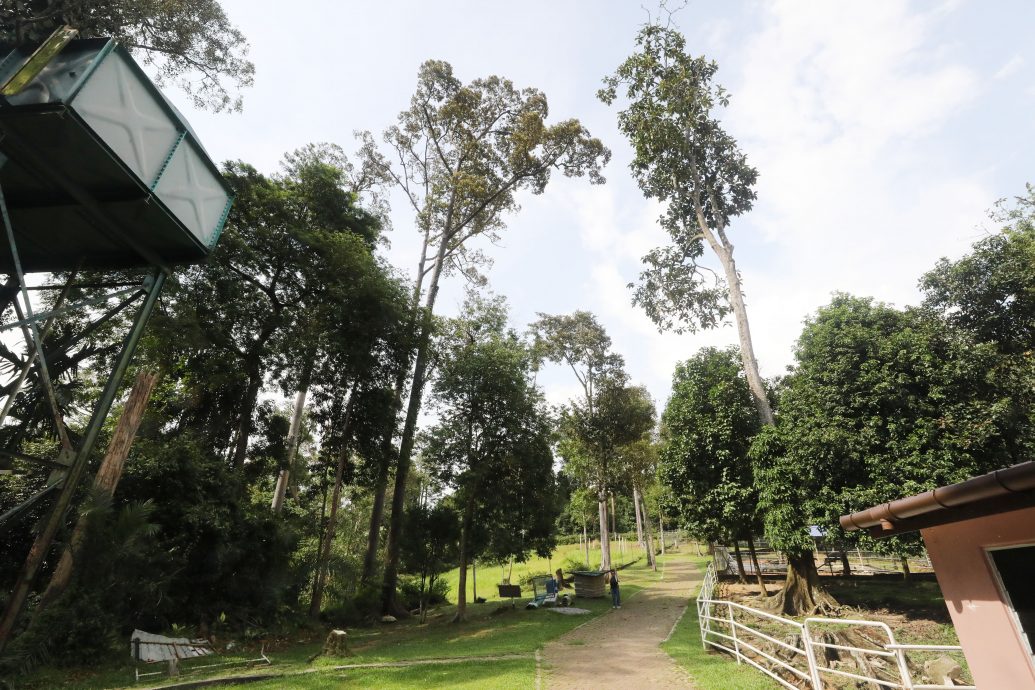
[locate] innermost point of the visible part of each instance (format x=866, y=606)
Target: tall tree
x=881, y=403
x=580, y=342
x=491, y=443
x=592, y=443
x=706, y=433
x=684, y=157
x=460, y=154
x=190, y=43
x=640, y=460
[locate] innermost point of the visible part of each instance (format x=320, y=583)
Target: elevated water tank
x=101, y=169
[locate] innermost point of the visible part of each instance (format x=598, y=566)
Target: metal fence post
x=900, y=658
x=733, y=630
x=810, y=655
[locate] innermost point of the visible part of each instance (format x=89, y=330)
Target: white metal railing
x=727, y=626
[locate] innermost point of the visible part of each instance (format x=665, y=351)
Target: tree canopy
x=190, y=43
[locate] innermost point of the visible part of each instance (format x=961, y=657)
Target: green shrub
x=409, y=592
x=573, y=563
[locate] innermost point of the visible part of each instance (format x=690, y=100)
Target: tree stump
x=337, y=644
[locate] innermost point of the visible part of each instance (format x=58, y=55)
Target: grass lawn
x=488, y=576
x=490, y=630
x=710, y=670
x=495, y=675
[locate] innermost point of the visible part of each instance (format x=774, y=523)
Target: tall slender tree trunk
x=614, y=517
x=605, y=537
x=244, y=423
x=907, y=575
x=740, y=562
x=252, y=365
x=661, y=532
x=377, y=510
x=402, y=470
x=332, y=518
x=651, y=560
x=465, y=543
x=474, y=580
x=723, y=249
x=106, y=480
x=294, y=432
x=377, y=514
x=639, y=516
x=585, y=539
x=754, y=564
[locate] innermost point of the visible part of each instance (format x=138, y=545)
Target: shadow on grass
x=495, y=675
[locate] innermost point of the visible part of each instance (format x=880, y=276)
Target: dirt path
x=620, y=649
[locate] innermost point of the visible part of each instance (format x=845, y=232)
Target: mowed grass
x=488, y=576
x=491, y=629
x=508, y=674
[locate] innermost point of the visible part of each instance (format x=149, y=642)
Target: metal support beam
x=30, y=355
x=32, y=334
x=57, y=464
x=70, y=307
x=6, y=518
x=45, y=538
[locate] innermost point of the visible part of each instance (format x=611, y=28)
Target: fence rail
x=800, y=658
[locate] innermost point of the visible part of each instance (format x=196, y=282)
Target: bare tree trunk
x=474, y=580
x=328, y=536
x=108, y=475
x=253, y=364
x=639, y=516
x=402, y=470
x=585, y=539
x=651, y=560
x=605, y=537
x=377, y=513
x=906, y=574
x=614, y=517
x=465, y=542
x=754, y=564
x=723, y=249
x=294, y=431
x=740, y=562
x=661, y=532
x=846, y=567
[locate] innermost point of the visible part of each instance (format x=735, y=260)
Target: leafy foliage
x=683, y=156
x=707, y=429
x=191, y=43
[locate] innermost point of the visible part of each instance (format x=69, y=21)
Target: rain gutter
x=1000, y=491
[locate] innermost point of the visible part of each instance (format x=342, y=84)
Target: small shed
x=590, y=584
x=980, y=535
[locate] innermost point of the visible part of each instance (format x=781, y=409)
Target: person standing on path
x=616, y=597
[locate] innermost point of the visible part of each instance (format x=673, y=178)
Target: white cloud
x=842, y=108
x=1009, y=68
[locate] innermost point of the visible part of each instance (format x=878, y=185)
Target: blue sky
x=882, y=132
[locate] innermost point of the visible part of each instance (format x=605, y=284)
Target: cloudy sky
x=882, y=132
